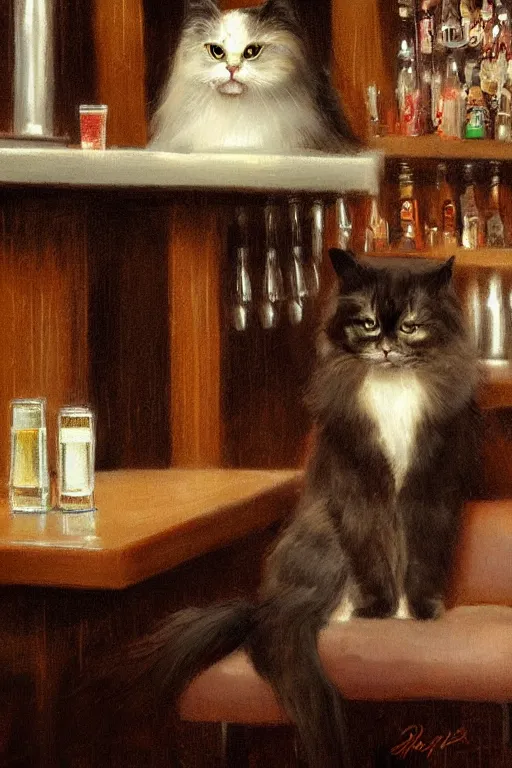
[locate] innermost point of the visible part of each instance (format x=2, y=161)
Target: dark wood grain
x=129, y=329
x=120, y=69
x=45, y=307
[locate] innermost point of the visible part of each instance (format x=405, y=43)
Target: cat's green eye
x=408, y=328
x=217, y=52
x=253, y=51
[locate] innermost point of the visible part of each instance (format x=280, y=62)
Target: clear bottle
x=503, y=40
x=503, y=122
x=494, y=228
x=471, y=223
x=410, y=239
x=447, y=208
x=377, y=231
x=407, y=89
x=489, y=27
x=426, y=68
x=29, y=479
x=453, y=102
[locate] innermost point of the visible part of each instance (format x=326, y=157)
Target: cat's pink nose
x=232, y=69
x=386, y=350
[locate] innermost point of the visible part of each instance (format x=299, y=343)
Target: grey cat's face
x=390, y=317
x=240, y=51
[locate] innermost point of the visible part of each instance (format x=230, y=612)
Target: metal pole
x=33, y=67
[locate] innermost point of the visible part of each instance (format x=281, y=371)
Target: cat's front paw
x=426, y=608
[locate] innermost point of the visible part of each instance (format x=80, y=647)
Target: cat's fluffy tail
x=281, y=637
x=152, y=673
x=190, y=641
x=283, y=648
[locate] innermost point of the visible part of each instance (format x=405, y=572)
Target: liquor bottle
x=453, y=102
x=426, y=68
x=503, y=122
x=407, y=90
x=477, y=113
x=433, y=217
x=377, y=231
x=503, y=40
x=410, y=239
x=447, y=207
x=467, y=14
x=471, y=225
x=489, y=24
x=494, y=229
x=450, y=32
x=442, y=223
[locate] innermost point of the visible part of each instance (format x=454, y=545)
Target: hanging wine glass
x=317, y=247
x=296, y=279
x=242, y=294
x=272, y=294
x=344, y=224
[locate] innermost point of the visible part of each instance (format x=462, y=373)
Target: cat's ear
x=281, y=10
x=441, y=277
x=201, y=8
x=345, y=264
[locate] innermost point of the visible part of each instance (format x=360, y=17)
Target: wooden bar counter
x=147, y=522
x=73, y=584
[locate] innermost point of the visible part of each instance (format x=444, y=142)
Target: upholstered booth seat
x=464, y=656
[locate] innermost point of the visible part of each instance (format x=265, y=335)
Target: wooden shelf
x=491, y=258
x=436, y=148
x=147, y=522
x=140, y=168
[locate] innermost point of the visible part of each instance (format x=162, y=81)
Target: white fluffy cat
x=243, y=79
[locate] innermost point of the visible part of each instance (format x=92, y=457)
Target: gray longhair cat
x=244, y=79
x=374, y=532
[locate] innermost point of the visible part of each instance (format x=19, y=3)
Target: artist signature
x=413, y=741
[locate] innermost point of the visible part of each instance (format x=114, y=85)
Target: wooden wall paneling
x=120, y=69
x=129, y=328
x=195, y=255
x=75, y=65
x=162, y=28
x=44, y=297
x=359, y=57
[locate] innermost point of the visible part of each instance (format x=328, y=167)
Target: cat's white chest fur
x=396, y=402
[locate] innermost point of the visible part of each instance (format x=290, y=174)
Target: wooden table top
x=146, y=522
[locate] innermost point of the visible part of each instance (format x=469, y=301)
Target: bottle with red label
x=408, y=91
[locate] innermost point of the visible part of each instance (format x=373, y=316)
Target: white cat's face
x=235, y=54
